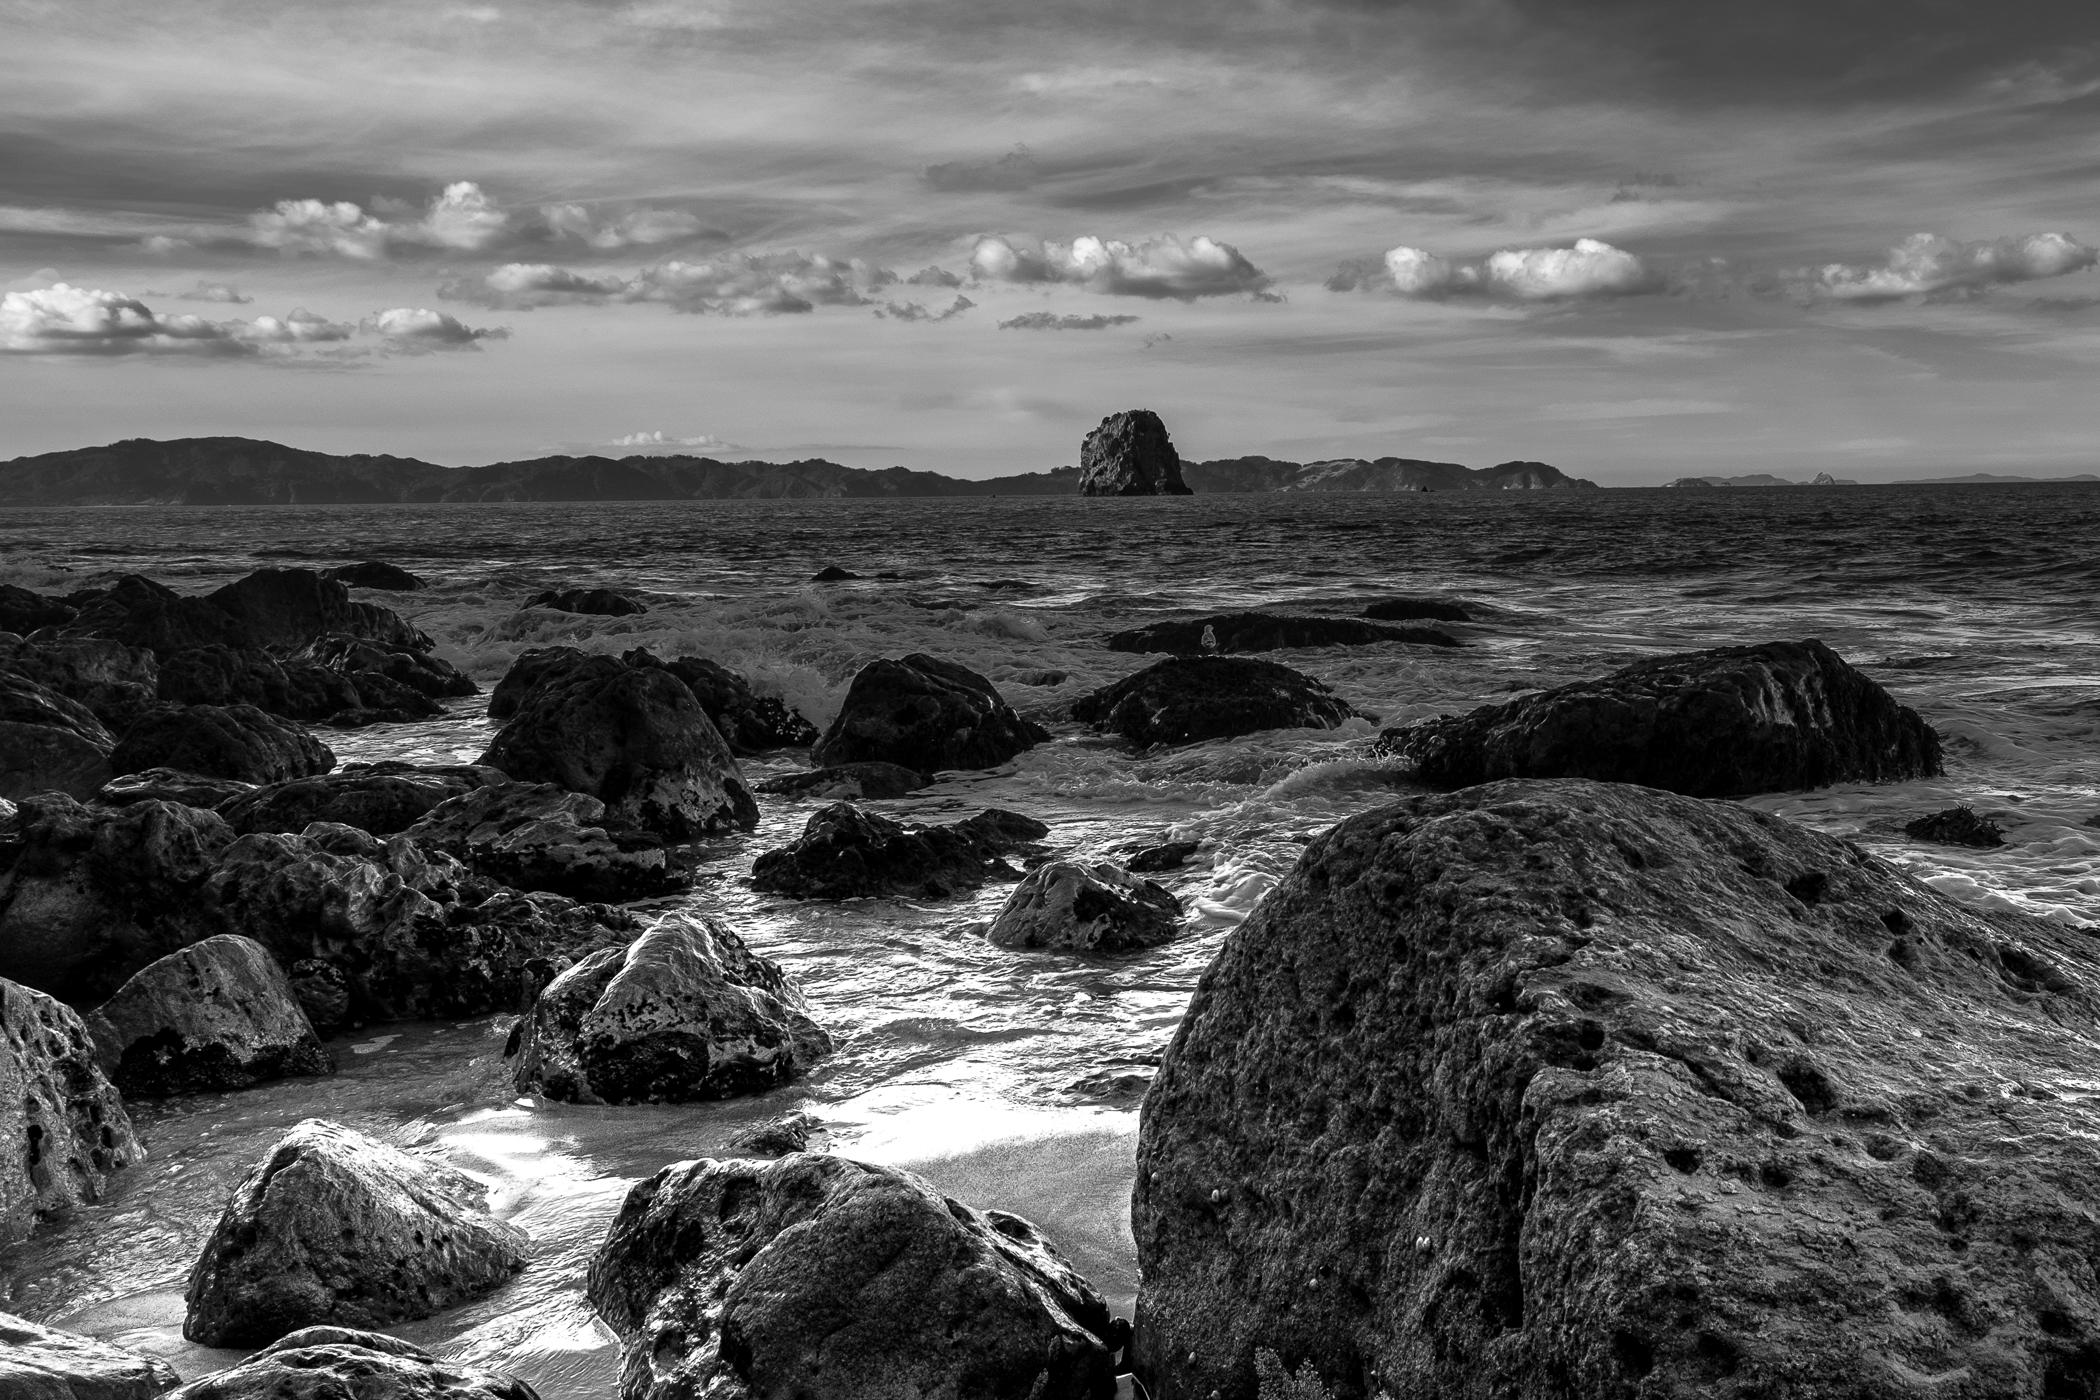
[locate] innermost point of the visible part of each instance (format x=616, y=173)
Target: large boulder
x=221, y=741
x=847, y=782
x=526, y=672
x=845, y=852
x=43, y=1363
x=750, y=723
x=23, y=612
x=216, y=1015
x=1226, y=633
x=1557, y=1088
x=829, y=1279
x=63, y=1129
x=1187, y=699
x=536, y=836
x=925, y=714
x=138, y=612
x=290, y=608
x=684, y=1012
x=382, y=798
x=224, y=675
x=336, y=1228
x=598, y=602
x=115, y=682
x=634, y=738
x=49, y=743
x=375, y=573
x=1776, y=717
x=340, y=1363
x=1130, y=454
x=382, y=670
x=1080, y=907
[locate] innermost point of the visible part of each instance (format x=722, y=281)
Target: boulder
x=224, y=675
x=1187, y=699
x=216, y=1015
x=374, y=573
x=23, y=612
x=1417, y=609
x=750, y=723
x=525, y=673
x=336, y=1228
x=290, y=608
x=684, y=1012
x=115, y=682
x=338, y=1363
x=1957, y=826
x=43, y=1363
x=63, y=1129
x=1085, y=908
x=170, y=785
x=847, y=782
x=1167, y=855
x=776, y=1137
x=1130, y=454
x=49, y=743
x=595, y=602
x=1565, y=1088
x=1229, y=633
x=536, y=836
x=847, y=853
x=829, y=1279
x=1776, y=717
x=832, y=573
x=636, y=739
x=382, y=670
x=925, y=714
x=382, y=798
x=220, y=741
x=138, y=612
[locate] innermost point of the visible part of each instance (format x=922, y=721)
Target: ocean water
x=1011, y=1079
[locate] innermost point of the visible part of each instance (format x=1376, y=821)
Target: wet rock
x=23, y=612
x=170, y=785
x=220, y=741
x=115, y=682
x=1130, y=454
x=1957, y=826
x=216, y=1015
x=382, y=798
x=338, y=1363
x=1187, y=699
x=596, y=602
x=832, y=573
x=525, y=673
x=821, y=1277
x=634, y=738
x=141, y=613
x=1556, y=1088
x=685, y=1012
x=1227, y=633
x=291, y=608
x=847, y=853
x=777, y=1137
x=1042, y=678
x=323, y=993
x=334, y=1227
x=43, y=1363
x=1121, y=1082
x=848, y=782
x=536, y=836
x=49, y=743
x=1417, y=609
x=374, y=573
x=1776, y=717
x=396, y=683
x=1085, y=908
x=223, y=675
x=63, y=1129
x=925, y=714
x=749, y=723
x=1167, y=855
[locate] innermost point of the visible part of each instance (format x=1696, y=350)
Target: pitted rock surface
x=1130, y=454
x=63, y=1129
x=217, y=1015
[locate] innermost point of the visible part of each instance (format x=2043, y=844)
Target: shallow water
x=1974, y=604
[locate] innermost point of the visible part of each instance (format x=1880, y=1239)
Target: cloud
x=1016, y=170
x=914, y=311
x=461, y=219
x=659, y=443
x=737, y=284
x=1588, y=269
x=933, y=277
x=636, y=228
x=302, y=327
x=1925, y=263
x=224, y=292
x=413, y=330
x=68, y=320
x=523, y=286
x=1159, y=267
x=1050, y=321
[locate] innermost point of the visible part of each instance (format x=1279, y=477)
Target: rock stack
x=1130, y=454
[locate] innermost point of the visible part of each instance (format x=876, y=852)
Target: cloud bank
x=1925, y=264
x=462, y=219
x=66, y=320
x=1588, y=269
x=744, y=284
x=916, y=311
x=1163, y=267
x=1051, y=321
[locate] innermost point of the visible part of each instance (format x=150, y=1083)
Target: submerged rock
x=1957, y=826
x=830, y=1279
x=777, y=1137
x=49, y=743
x=115, y=682
x=216, y=1015
x=1228, y=633
x=1417, y=609
x=221, y=741
x=1085, y=908
x=847, y=853
x=43, y=1363
x=374, y=573
x=848, y=782
x=171, y=785
x=597, y=602
x=684, y=1012
x=1776, y=717
x=1187, y=699
x=925, y=714
x=1167, y=855
x=63, y=1129
x=536, y=836
x=334, y=1227
x=382, y=798
x=1558, y=1088
x=832, y=573
x=1130, y=454
x=338, y=1363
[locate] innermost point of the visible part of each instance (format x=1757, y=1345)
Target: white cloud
x=302, y=327
x=736, y=284
x=67, y=320
x=1925, y=263
x=1158, y=267
x=461, y=219
x=1590, y=268
x=410, y=330
x=658, y=443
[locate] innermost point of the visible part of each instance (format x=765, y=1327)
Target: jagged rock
x=1776, y=717
x=848, y=782
x=1167, y=855
x=338, y=1363
x=1130, y=454
x=685, y=1012
x=1415, y=609
x=636, y=739
x=382, y=798
x=49, y=743
x=830, y=1279
x=832, y=573
x=847, y=853
x=141, y=613
x=216, y=1015
x=1228, y=633
x=925, y=714
x=749, y=723
x=381, y=671
x=536, y=836
x=290, y=608
x=43, y=1363
x=323, y=993
x=115, y=682
x=1957, y=826
x=224, y=675
x=1555, y=1088
x=1186, y=699
x=1085, y=908
x=63, y=1129
x=170, y=785
x=334, y=1227
x=374, y=573
x=596, y=602
x=23, y=612
x=220, y=741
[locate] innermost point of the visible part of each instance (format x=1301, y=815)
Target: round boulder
x=1187, y=699
x=925, y=714
x=1085, y=908
x=221, y=741
x=219, y=1014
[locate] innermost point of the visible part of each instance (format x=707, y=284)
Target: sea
x=1012, y=1079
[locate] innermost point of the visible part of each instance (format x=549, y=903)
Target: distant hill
x=1754, y=479
x=1987, y=479
x=244, y=471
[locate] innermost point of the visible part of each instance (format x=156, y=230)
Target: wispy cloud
x=1016, y=170
x=1051, y=321
x=916, y=311
x=1163, y=267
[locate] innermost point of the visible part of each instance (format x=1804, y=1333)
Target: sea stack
x=1130, y=454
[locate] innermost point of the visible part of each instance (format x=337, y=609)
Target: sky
x=1638, y=239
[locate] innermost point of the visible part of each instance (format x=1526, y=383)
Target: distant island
x=246, y=471
x=1826, y=479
